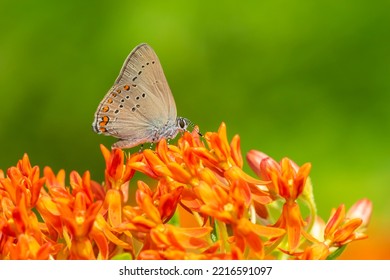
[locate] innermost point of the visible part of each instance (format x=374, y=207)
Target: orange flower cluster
x=198, y=204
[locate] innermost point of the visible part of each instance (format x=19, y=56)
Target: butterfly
x=139, y=107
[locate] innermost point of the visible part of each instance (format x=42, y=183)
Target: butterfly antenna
x=194, y=127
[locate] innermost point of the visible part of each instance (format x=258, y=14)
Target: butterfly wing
x=139, y=103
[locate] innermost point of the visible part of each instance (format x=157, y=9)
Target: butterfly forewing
x=143, y=68
x=140, y=100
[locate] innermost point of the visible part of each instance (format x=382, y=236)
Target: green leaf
x=336, y=253
x=123, y=256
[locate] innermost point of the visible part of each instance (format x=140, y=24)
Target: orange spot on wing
x=109, y=100
x=105, y=109
x=126, y=87
x=104, y=121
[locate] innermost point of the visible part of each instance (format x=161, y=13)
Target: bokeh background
x=304, y=79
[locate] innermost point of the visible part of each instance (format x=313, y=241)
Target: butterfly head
x=182, y=124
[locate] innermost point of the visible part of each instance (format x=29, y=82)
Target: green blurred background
x=304, y=79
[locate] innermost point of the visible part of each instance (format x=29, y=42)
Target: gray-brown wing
x=140, y=100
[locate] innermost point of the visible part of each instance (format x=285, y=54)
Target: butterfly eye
x=182, y=123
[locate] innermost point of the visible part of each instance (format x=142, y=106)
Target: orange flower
x=317, y=251
x=146, y=224
x=27, y=248
x=328, y=239
x=78, y=220
x=23, y=180
x=342, y=229
x=21, y=235
x=117, y=173
x=232, y=215
x=47, y=206
x=287, y=178
x=362, y=209
x=288, y=181
x=214, y=183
